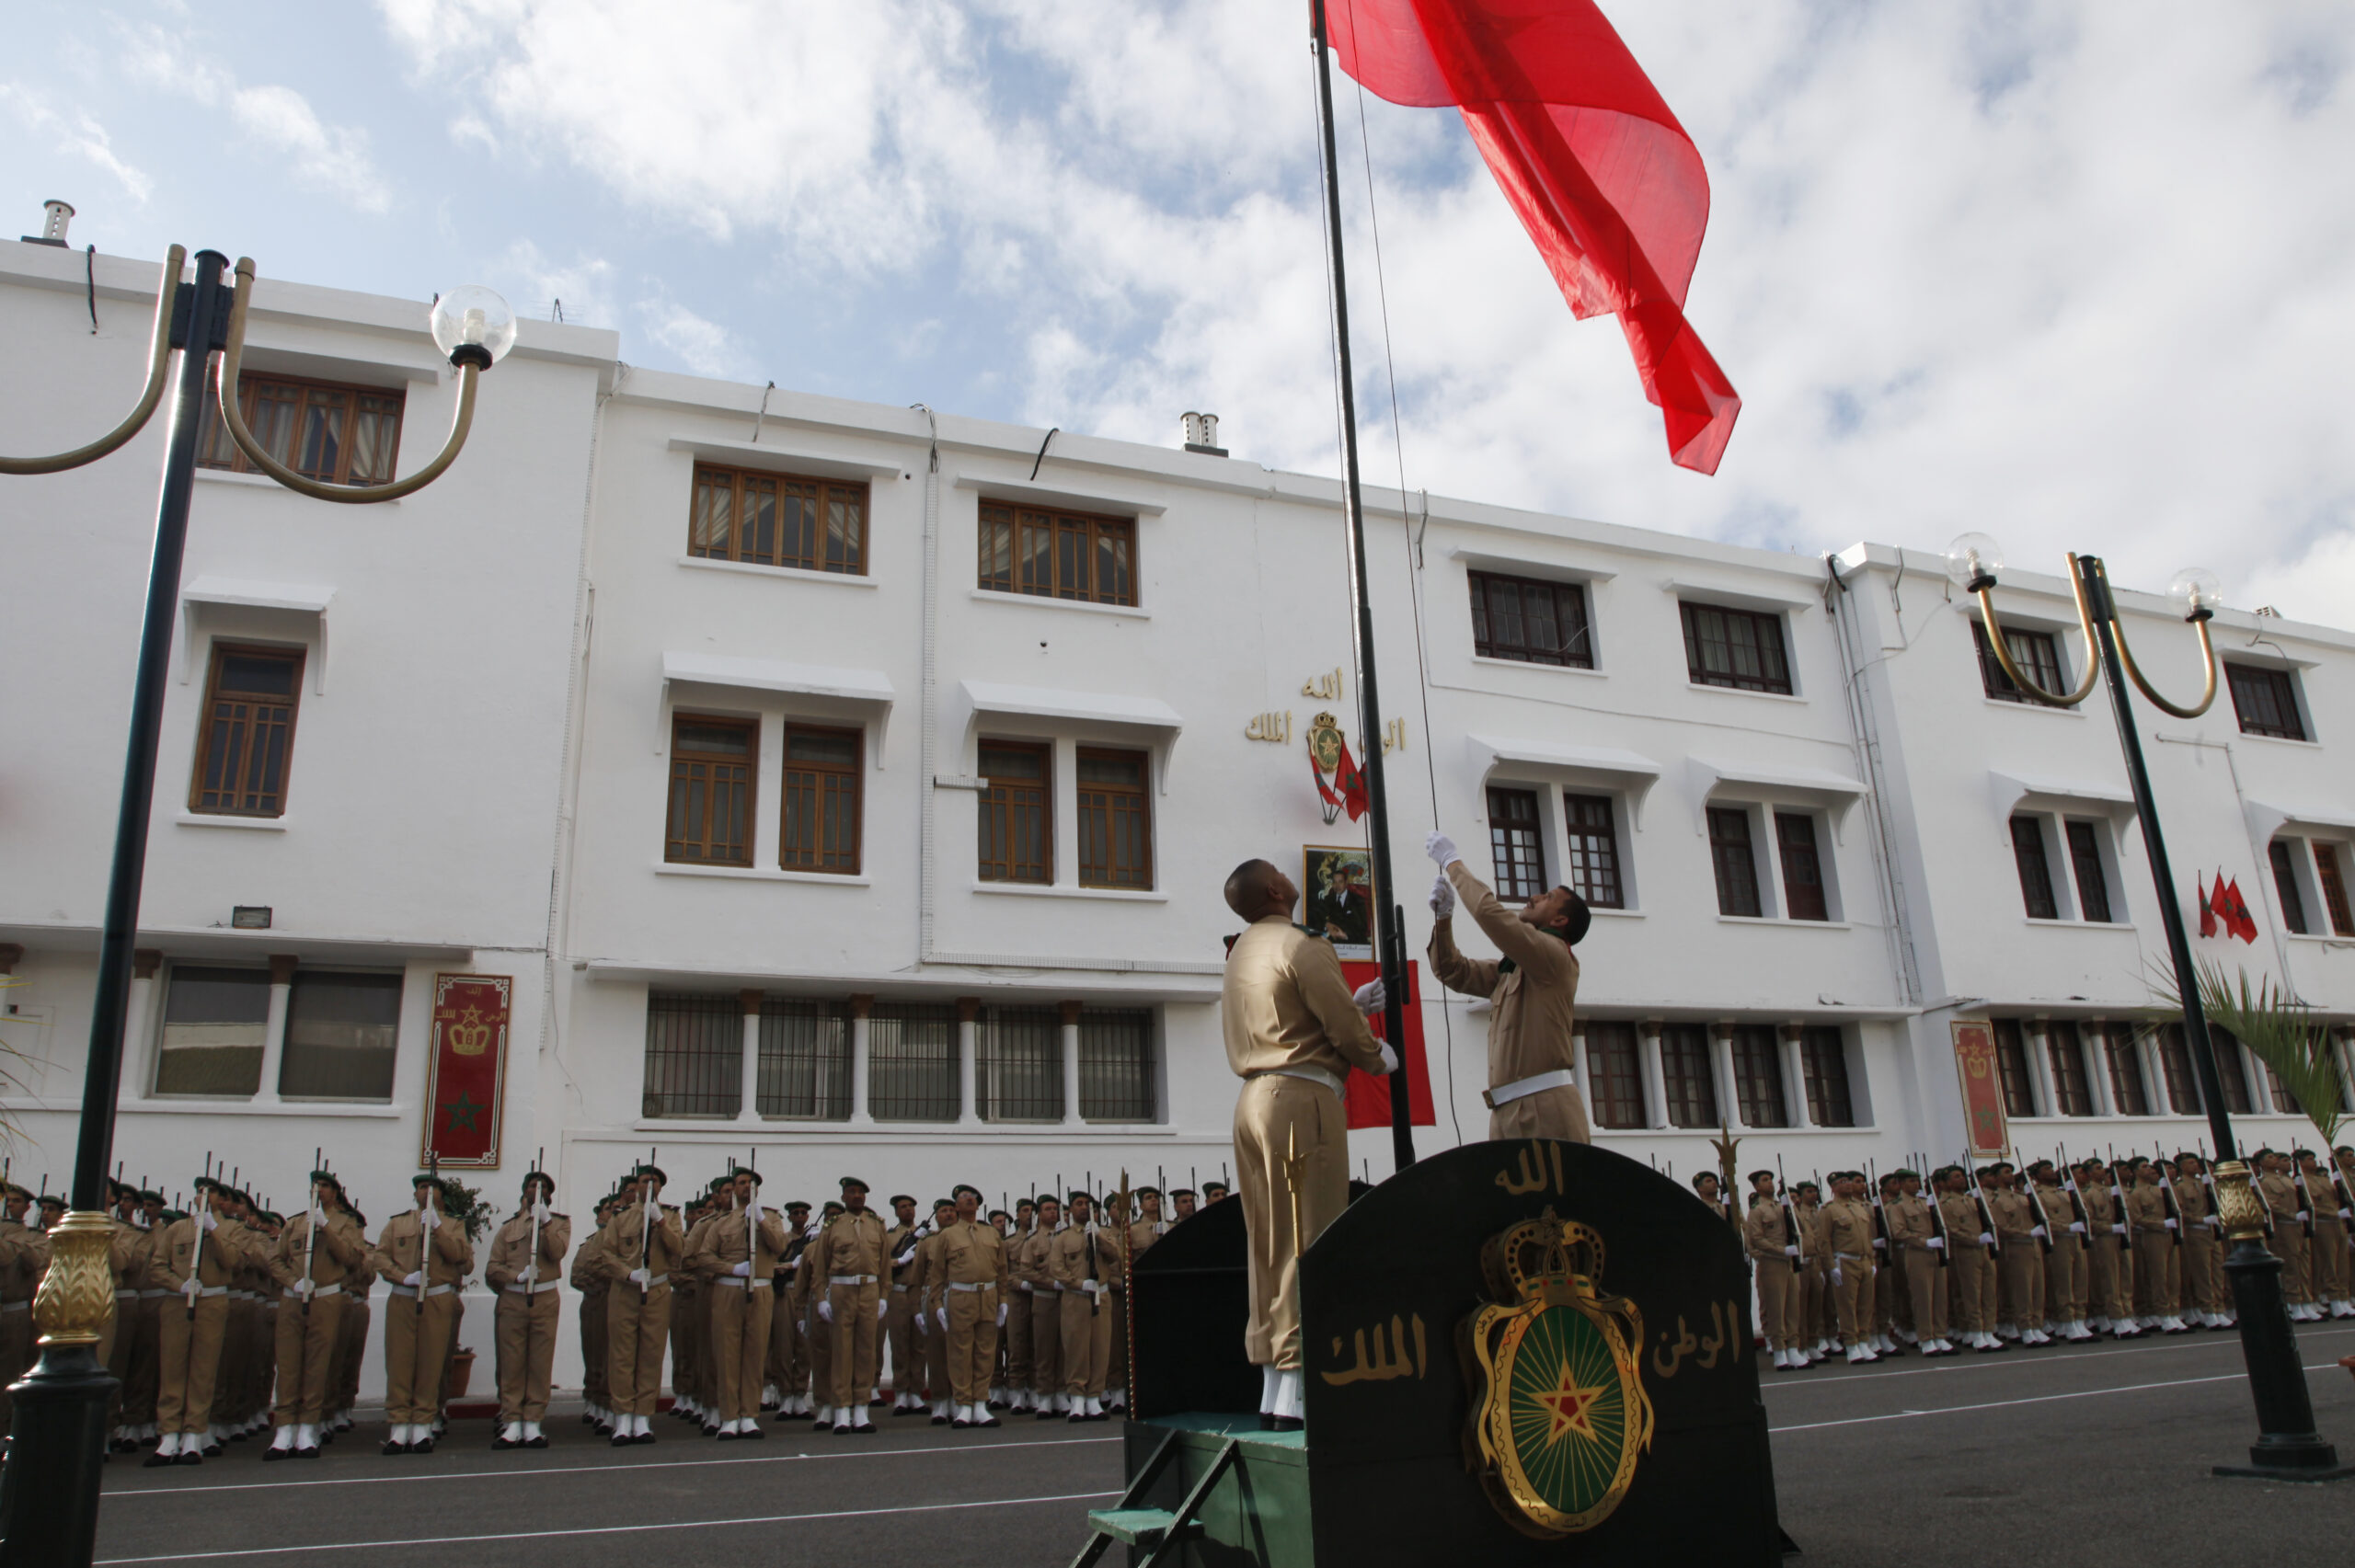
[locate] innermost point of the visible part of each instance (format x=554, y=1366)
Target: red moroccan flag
x=1367, y=1099
x=1349, y=779
x=2237, y=919
x=2207, y=907
x=1600, y=174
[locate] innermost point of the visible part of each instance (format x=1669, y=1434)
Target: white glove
x=2173, y=1226
x=540, y=1212
x=916, y=1323
x=882, y=1310
x=942, y=1314
x=417, y=1276
x=2117, y=1230
x=2036, y=1231
x=743, y=1270
x=1442, y=848
x=1835, y=1273
x=192, y=1289
x=826, y=1310
x=303, y=1287
x=1936, y=1243
x=2303, y=1217
x=1985, y=1240
x=2076, y=1227
x=317, y=1219
x=1443, y=898
x=1001, y=1314
x=640, y=1277
x=1389, y=1058
x=1790, y=1252
x=1369, y=997
x=209, y=1219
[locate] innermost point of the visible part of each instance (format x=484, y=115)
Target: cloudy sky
x=2077, y=276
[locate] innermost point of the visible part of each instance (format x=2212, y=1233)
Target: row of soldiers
x=2002, y=1256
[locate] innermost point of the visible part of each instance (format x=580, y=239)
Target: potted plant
x=464, y=1205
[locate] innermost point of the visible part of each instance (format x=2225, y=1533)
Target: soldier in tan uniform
x=1532, y=1092
x=2204, y=1292
x=139, y=1382
x=526, y=1270
x=788, y=1330
x=972, y=1260
x=738, y=1255
x=2065, y=1265
x=2327, y=1261
x=1075, y=1264
x=899, y=1315
x=2290, y=1237
x=849, y=1261
x=811, y=1292
x=589, y=1277
x=2021, y=1233
x=1819, y=1323
x=1848, y=1243
x=1015, y=1395
x=198, y=1259
x=2157, y=1261
x=639, y=1248
x=127, y=1262
x=1971, y=1258
x=2108, y=1258
x=927, y=1288
x=1772, y=1241
x=423, y=1255
x=1034, y=1293
x=310, y=1275
x=1112, y=1256
x=23, y=1253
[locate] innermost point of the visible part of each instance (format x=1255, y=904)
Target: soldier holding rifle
x=423, y=1255
x=317, y=1252
x=737, y=1252
x=640, y=1248
x=526, y=1268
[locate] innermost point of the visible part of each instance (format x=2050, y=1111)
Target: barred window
x=215, y=1021
x=712, y=769
x=777, y=519
x=2285, y=883
x=1823, y=1059
x=1594, y=850
x=1058, y=554
x=1018, y=1064
x=1017, y=822
x=1117, y=1079
x=1803, y=895
x=2334, y=887
x=2036, y=871
x=912, y=1062
x=1534, y=621
x=2068, y=1056
x=694, y=1054
x=246, y=736
x=1758, y=1076
x=1115, y=819
x=2037, y=653
x=2011, y=1066
x=2126, y=1094
x=1736, y=867
x=1615, y=1075
x=2093, y=882
x=342, y=1031
x=1741, y=648
x=821, y=800
x=804, y=1071
x=2183, y=1079
x=339, y=435
x=1514, y=844
x=1687, y=1076
x=2266, y=701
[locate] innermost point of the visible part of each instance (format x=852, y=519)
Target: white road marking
x=167, y=1490
x=2215, y=1339
x=602, y=1529
x=2032, y=1399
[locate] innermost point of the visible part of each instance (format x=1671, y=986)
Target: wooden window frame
x=1614, y=1065
x=1731, y=863
x=2088, y=872
x=2281, y=856
x=1773, y=651
x=1677, y=1042
x=2330, y=878
x=207, y=730
x=1595, y=870
x=2014, y=1075
x=2130, y=1092
x=1823, y=1068
x=821, y=495
x=2037, y=653
x=2071, y=1075
x=2032, y=860
x=1098, y=809
x=1519, y=877
x=1115, y=1079
x=993, y=798
x=1758, y=1086
x=2281, y=688
x=682, y=755
x=1005, y=552
x=216, y=448
x=1803, y=899
x=1573, y=646
x=826, y=804
x=2177, y=1073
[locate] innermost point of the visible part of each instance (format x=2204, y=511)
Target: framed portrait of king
x=1337, y=896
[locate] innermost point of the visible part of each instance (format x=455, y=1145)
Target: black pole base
x=49, y=1494
x=2289, y=1448
x=2279, y=1472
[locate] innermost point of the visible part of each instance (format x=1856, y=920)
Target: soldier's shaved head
x=1256, y=889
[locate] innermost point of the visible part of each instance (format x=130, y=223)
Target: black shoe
x=711, y=1429
x=943, y=1421
x=539, y=1442
x=643, y=1439
x=425, y=1446
x=391, y=1448
x=212, y=1451
x=725, y=1436
x=620, y=1440
x=755, y=1433
x=1288, y=1423
x=1047, y=1415
x=188, y=1458
x=987, y=1420
x=158, y=1460
x=270, y=1456
x=1268, y=1418
x=501, y=1443
x=822, y=1426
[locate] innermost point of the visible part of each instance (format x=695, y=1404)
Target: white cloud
x=74, y=132
x=535, y=283
x=705, y=346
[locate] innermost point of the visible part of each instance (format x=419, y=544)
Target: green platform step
x=1135, y=1526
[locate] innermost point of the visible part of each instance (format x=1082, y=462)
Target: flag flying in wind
x=1602, y=176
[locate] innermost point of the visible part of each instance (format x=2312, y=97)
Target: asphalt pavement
x=2080, y=1456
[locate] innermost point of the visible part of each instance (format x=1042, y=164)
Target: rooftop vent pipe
x=1201, y=434
x=55, y=215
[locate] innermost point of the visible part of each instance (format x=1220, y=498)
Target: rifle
x=2168, y=1204
x=2037, y=1225
x=646, y=1197
x=1938, y=1226
x=1790, y=1217
x=1986, y=1215
x=531, y=1258
x=311, y=1235
x=426, y=1224
x=2305, y=1195
x=196, y=1253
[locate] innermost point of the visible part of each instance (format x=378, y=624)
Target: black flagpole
x=1388, y=922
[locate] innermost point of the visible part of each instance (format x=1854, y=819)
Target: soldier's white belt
x=435, y=1290
x=1497, y=1099
x=207, y=1290
x=152, y=1295
x=126, y=1294
x=16, y=1306
x=850, y=1279
x=900, y=1290
x=1306, y=1074
x=318, y=1291
x=736, y=1282
x=520, y=1288
x=983, y=1284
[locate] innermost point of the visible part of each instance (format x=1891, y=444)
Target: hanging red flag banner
x=2206, y=909
x=1368, y=1097
x=466, y=1077
x=1982, y=1088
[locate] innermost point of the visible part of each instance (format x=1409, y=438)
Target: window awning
x=1086, y=708
x=2265, y=819
x=1630, y=770
x=1771, y=783
x=2010, y=789
x=868, y=688
x=238, y=593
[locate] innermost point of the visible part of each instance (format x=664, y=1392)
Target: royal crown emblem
x=468, y=1034
x=1559, y=1416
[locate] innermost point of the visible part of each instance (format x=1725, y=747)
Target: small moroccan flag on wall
x=466, y=1076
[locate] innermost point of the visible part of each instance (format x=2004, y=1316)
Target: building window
x=804, y=1071
x=2069, y=1085
x=2035, y=872
x=1736, y=868
x=1018, y=836
x=712, y=764
x=2285, y=884
x=912, y=1066
x=775, y=519
x=342, y=1031
x=2333, y=887
x=694, y=1054
x=1514, y=844
x=1115, y=819
x=2266, y=701
x=1059, y=555
x=1685, y=1076
x=2093, y=882
x=247, y=735
x=339, y=435
x=1803, y=897
x=1758, y=1076
x=1741, y=648
x=1824, y=1063
x=1018, y=1064
x=2183, y=1080
x=1614, y=1074
x=2232, y=1074
x=2011, y=1066
x=2128, y=1096
x=822, y=774
x=1536, y=623
x=2037, y=653
x=2284, y=1102
x=1594, y=850
x=1116, y=1064
x=216, y=1024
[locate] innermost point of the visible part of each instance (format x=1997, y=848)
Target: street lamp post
x=49, y=1494
x=2288, y=1446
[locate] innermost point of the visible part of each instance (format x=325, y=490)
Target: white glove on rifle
x=1001, y=1314
x=2076, y=1227
x=743, y=1270
x=882, y=1310
x=209, y=1219
x=1442, y=848
x=192, y=1288
x=416, y=1276
x=942, y=1314
x=540, y=1212
x=1369, y=997
x=1443, y=898
x=826, y=1310
x=2172, y=1224
x=1936, y=1243
x=640, y=1277
x=2117, y=1230
x=2036, y=1231
x=303, y=1287
x=317, y=1219
x=1389, y=1058
x=1790, y=1252
x=1985, y=1240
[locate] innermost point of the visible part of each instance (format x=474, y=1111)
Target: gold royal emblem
x=1324, y=743
x=469, y=1036
x=1560, y=1416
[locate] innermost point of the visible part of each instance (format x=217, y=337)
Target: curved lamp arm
x=159, y=357
x=2134, y=671
x=234, y=418
x=2019, y=677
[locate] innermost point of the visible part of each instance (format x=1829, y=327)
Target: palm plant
x=2281, y=1032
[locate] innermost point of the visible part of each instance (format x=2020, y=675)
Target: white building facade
x=855, y=786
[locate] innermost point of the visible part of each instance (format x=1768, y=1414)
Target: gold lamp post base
x=75, y=1302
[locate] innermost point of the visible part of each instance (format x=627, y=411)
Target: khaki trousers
x=1046, y=1311
x=2204, y=1275
x=1780, y=1295
x=2157, y=1275
x=2288, y=1242
x=139, y=1384
x=1275, y=1116
x=1926, y=1286
x=1087, y=1342
x=1550, y=1113
x=2024, y=1268
x=305, y=1350
x=1971, y=1282
x=821, y=1335
x=417, y=1335
x=190, y=1363
x=352, y=1352
x=973, y=1343
x=936, y=1350
x=857, y=1343
x=1818, y=1316
x=1017, y=1338
x=739, y=1344
x=2065, y=1280
x=637, y=1330
x=594, y=1366
x=1852, y=1294
x=907, y=1350
x=2109, y=1287
x=1894, y=1295
x=524, y=1330
x=2328, y=1261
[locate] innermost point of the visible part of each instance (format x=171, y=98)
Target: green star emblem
x=462, y=1113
